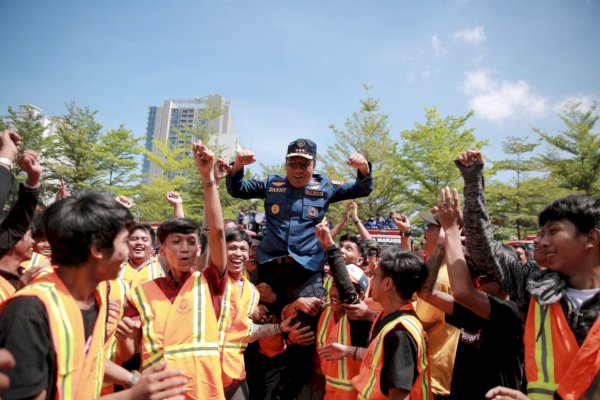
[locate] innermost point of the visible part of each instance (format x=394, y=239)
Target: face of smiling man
x=140, y=246
x=299, y=171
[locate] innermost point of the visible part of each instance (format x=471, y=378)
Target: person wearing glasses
x=290, y=257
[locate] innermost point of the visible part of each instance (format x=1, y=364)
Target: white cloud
x=496, y=100
x=470, y=36
x=439, y=49
x=586, y=101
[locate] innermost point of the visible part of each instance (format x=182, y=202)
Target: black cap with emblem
x=302, y=148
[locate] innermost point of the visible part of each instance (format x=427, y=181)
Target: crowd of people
x=94, y=304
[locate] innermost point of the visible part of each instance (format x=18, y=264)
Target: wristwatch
x=6, y=161
x=135, y=377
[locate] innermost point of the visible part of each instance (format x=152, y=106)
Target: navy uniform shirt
x=292, y=213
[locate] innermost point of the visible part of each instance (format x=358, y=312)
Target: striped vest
x=338, y=373
x=182, y=333
x=367, y=383
x=555, y=366
x=79, y=372
x=150, y=270
x=235, y=326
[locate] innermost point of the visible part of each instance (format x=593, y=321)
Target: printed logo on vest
x=275, y=209
x=368, y=360
x=183, y=307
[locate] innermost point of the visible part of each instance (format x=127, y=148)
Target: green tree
x=118, y=151
x=30, y=127
x=514, y=203
x=367, y=131
x=73, y=154
x=573, y=157
x=425, y=160
x=534, y=194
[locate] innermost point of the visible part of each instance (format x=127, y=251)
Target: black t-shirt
x=489, y=353
x=25, y=332
x=399, y=355
x=359, y=332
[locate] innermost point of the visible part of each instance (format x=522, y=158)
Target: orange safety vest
x=6, y=289
x=118, y=294
x=150, y=270
x=338, y=374
x=327, y=283
x=35, y=260
x=79, y=370
x=233, y=333
x=367, y=382
x=182, y=333
x=555, y=366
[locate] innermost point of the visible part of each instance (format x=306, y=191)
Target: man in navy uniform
x=294, y=204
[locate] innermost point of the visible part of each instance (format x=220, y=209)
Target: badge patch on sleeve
x=338, y=183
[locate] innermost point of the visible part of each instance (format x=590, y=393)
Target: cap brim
x=429, y=217
x=308, y=156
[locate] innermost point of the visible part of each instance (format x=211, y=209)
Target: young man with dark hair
x=55, y=327
x=395, y=364
x=562, y=330
x=175, y=318
x=141, y=265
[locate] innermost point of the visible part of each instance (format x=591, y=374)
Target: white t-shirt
x=580, y=296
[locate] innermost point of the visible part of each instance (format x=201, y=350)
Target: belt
x=284, y=260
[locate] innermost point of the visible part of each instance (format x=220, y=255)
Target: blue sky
x=291, y=68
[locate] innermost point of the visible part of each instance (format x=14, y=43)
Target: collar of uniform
x=172, y=283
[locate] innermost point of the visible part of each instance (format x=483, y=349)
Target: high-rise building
x=186, y=116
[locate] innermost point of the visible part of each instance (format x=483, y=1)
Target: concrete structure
x=29, y=110
x=188, y=116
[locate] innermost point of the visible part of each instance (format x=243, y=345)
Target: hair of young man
x=360, y=243
x=236, y=235
x=583, y=211
x=144, y=227
x=37, y=227
x=406, y=268
x=76, y=223
x=177, y=225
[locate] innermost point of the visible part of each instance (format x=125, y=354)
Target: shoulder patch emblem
x=275, y=209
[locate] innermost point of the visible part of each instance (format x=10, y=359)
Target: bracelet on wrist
x=407, y=233
x=211, y=183
x=355, y=350
x=6, y=162
x=135, y=377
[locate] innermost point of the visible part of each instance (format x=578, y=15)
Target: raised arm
x=18, y=220
x=175, y=200
x=463, y=290
x=212, y=207
x=239, y=187
x=402, y=222
x=488, y=255
x=362, y=231
x=340, y=274
x=9, y=147
x=335, y=231
x=361, y=187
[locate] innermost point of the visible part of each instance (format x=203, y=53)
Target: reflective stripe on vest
x=6, y=289
x=136, y=276
x=555, y=366
x=118, y=294
x=338, y=374
x=239, y=329
x=367, y=381
x=154, y=348
x=79, y=373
